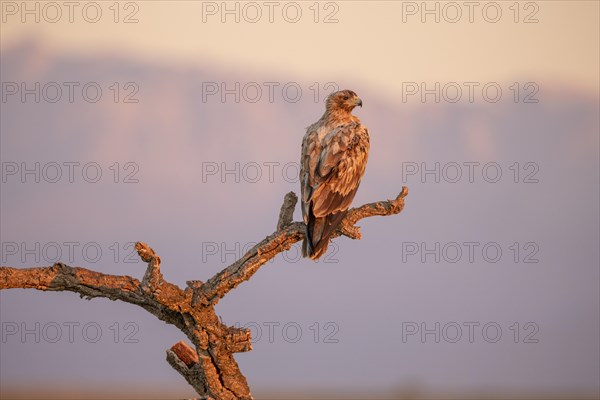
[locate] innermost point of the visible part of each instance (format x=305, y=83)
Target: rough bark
x=210, y=368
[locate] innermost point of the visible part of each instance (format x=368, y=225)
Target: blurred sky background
x=161, y=132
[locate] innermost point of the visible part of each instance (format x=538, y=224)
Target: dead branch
x=211, y=368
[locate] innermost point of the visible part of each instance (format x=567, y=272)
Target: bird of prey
x=333, y=161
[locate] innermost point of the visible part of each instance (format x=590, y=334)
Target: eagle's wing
x=333, y=164
x=340, y=167
x=311, y=149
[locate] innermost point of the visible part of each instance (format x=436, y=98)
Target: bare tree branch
x=241, y=270
x=211, y=368
x=217, y=375
x=286, y=214
x=379, y=208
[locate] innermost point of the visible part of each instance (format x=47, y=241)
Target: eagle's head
x=344, y=100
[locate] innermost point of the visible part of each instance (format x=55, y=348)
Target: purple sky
x=351, y=323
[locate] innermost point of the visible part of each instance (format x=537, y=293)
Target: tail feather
x=318, y=232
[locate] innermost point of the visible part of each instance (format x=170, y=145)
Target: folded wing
x=332, y=168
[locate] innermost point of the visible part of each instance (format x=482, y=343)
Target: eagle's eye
x=346, y=97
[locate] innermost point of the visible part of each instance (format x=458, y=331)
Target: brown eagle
x=334, y=157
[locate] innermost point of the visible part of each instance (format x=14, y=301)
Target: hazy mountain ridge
x=177, y=119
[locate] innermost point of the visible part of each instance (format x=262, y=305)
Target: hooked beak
x=358, y=102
